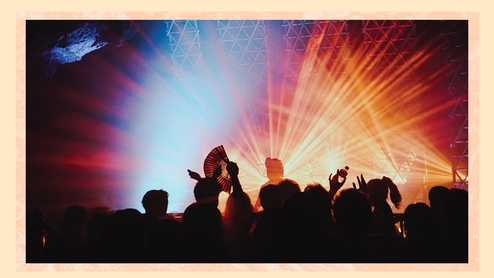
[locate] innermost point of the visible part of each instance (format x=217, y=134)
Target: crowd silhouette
x=288, y=223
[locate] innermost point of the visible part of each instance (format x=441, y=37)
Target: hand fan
x=217, y=158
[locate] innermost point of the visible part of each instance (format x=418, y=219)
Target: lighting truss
x=391, y=46
x=455, y=36
x=186, y=53
x=244, y=50
x=335, y=38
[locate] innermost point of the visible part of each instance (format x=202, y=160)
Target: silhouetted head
x=455, y=208
x=378, y=190
x=436, y=195
x=270, y=197
x=74, y=222
x=418, y=220
x=207, y=190
x=201, y=235
x=203, y=218
x=352, y=212
x=155, y=202
x=125, y=235
x=454, y=218
x=274, y=168
x=288, y=187
x=320, y=194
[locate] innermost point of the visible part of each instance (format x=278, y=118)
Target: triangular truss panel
x=333, y=38
x=455, y=41
x=391, y=44
x=297, y=36
x=185, y=44
x=244, y=48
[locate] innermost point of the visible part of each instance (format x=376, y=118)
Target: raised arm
x=232, y=169
x=334, y=184
x=362, y=185
x=194, y=175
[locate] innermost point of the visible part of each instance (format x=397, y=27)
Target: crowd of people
x=286, y=224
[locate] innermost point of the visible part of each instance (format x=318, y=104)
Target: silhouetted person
x=238, y=213
x=275, y=172
x=95, y=229
x=162, y=230
x=454, y=219
x=378, y=190
x=270, y=197
x=202, y=237
x=321, y=196
x=265, y=226
x=42, y=239
x=207, y=190
x=436, y=195
x=418, y=220
x=384, y=235
x=155, y=203
x=305, y=235
x=124, y=237
x=420, y=244
x=288, y=187
x=352, y=213
x=68, y=247
x=74, y=223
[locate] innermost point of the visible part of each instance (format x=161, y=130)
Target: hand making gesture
x=362, y=185
x=335, y=184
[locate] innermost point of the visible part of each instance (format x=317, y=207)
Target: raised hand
x=194, y=175
x=232, y=169
x=334, y=184
x=217, y=171
x=362, y=185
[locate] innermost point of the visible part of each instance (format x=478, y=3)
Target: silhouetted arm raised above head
x=194, y=175
x=362, y=185
x=232, y=169
x=334, y=184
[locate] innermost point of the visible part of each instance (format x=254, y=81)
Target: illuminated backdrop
x=383, y=97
